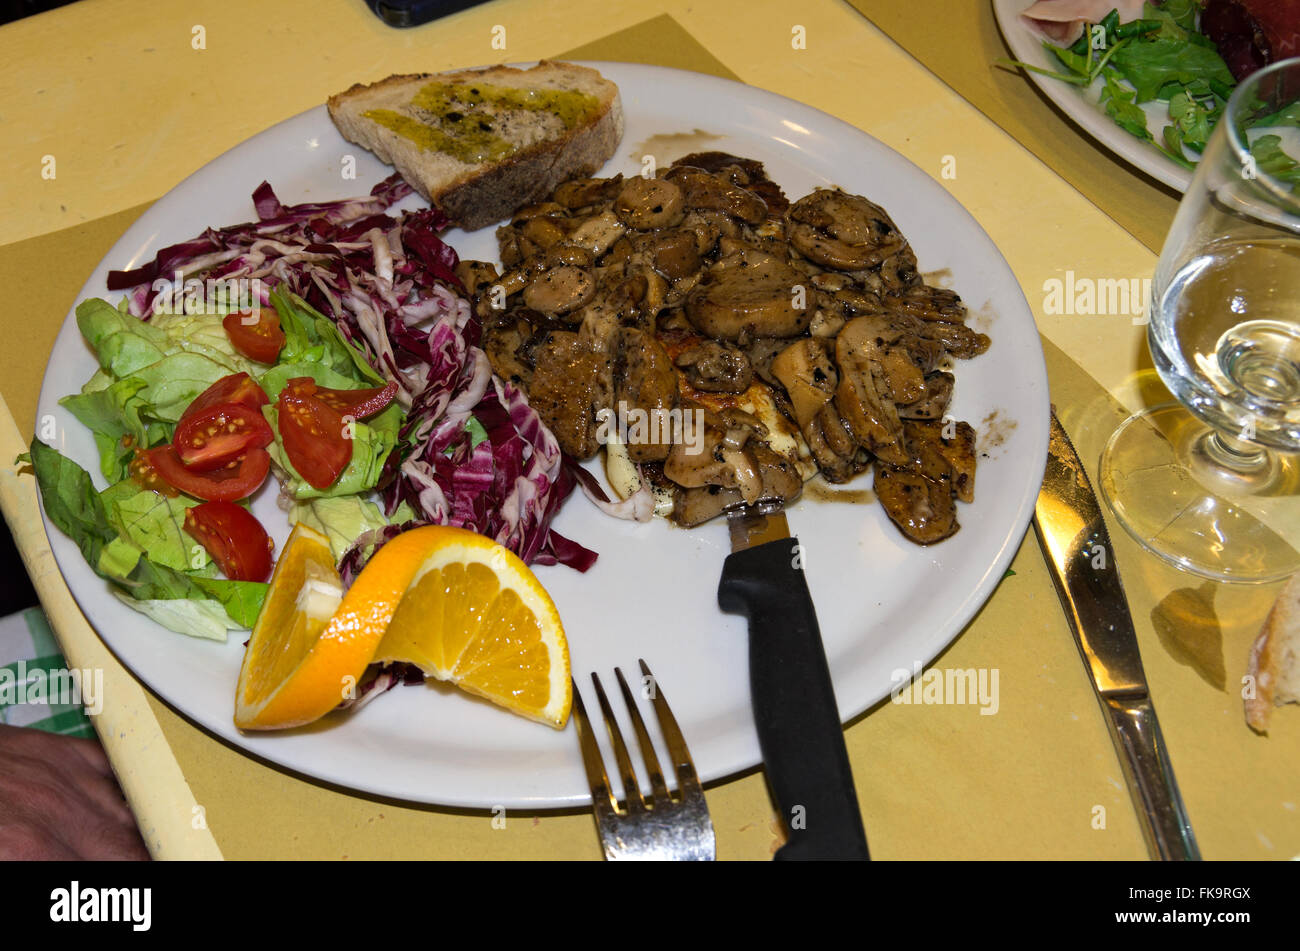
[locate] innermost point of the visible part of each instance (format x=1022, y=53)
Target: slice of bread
x=1275, y=659
x=481, y=144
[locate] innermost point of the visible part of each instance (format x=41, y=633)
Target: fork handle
x=798, y=721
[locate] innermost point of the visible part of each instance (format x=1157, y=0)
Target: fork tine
x=687, y=781
x=631, y=785
x=602, y=798
x=658, y=788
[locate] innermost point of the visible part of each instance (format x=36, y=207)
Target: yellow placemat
x=963, y=53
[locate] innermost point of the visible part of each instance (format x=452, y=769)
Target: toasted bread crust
x=474, y=196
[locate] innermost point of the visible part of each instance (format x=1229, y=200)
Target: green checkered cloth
x=33, y=686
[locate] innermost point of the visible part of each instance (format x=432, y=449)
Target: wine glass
x=1212, y=487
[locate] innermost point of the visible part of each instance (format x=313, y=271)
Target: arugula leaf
x=1152, y=65
x=1119, y=105
x=1270, y=159
x=1182, y=13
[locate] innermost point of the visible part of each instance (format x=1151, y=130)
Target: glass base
x=1210, y=505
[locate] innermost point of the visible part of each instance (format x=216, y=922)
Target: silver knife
x=1079, y=553
x=798, y=723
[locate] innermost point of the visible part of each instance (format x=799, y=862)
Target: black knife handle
x=798, y=722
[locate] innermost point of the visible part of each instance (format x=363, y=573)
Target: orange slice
x=475, y=615
x=311, y=642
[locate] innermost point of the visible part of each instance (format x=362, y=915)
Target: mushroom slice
x=504, y=336
x=808, y=374
x=582, y=192
x=923, y=509
x=598, y=234
x=842, y=231
x=571, y=382
x=717, y=456
x=569, y=254
x=870, y=416
x=476, y=274
x=714, y=193
x=780, y=481
x=955, y=442
x=542, y=209
x=650, y=203
x=542, y=231
x=749, y=293
x=674, y=254
x=559, y=290
x=930, y=303
x=646, y=393
x=712, y=367
x=957, y=339
x=938, y=393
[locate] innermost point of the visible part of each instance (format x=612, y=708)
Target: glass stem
x=1235, y=454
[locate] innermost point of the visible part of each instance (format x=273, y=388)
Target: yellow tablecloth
x=126, y=97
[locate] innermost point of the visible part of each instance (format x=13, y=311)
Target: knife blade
x=798, y=723
x=1073, y=536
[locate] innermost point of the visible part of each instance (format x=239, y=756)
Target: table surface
x=118, y=95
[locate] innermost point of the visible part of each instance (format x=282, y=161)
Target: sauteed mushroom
x=803, y=332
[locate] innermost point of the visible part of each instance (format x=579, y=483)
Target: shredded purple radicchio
x=390, y=285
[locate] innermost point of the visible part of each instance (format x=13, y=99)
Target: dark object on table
x=402, y=13
x=11, y=10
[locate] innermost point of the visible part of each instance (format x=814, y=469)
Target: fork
x=663, y=828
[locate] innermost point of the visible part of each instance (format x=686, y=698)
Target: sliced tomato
x=233, y=537
x=237, y=388
x=256, y=334
x=236, y=480
x=355, y=403
x=314, y=438
x=216, y=436
x=146, y=476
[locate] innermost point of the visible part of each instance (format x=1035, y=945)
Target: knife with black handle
x=798, y=722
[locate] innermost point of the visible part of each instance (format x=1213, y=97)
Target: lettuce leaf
x=121, y=533
x=343, y=520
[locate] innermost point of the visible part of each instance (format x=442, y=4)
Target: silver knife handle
x=1136, y=731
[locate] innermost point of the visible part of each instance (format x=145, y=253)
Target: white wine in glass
x=1211, y=485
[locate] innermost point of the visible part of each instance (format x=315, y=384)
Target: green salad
x=137, y=533
x=1163, y=57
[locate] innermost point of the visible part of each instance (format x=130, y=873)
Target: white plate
x=1081, y=104
x=884, y=603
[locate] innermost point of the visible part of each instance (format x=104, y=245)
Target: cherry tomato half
x=314, y=438
x=256, y=334
x=355, y=403
x=220, y=434
x=236, y=480
x=236, y=388
x=233, y=537
x=144, y=474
